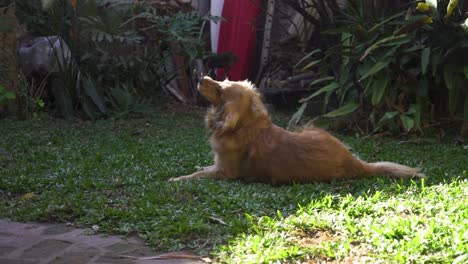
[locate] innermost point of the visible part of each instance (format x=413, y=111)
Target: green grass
x=112, y=174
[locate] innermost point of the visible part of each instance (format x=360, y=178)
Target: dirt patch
x=316, y=238
x=358, y=253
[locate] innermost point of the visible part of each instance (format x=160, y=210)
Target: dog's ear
x=231, y=120
x=231, y=117
x=256, y=105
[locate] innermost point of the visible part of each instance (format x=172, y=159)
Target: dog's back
x=280, y=156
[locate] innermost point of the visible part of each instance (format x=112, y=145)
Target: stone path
x=56, y=244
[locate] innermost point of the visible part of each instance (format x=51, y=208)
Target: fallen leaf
x=217, y=220
x=28, y=196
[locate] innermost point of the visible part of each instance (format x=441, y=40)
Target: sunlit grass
x=113, y=174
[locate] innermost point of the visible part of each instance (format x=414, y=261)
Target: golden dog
x=248, y=146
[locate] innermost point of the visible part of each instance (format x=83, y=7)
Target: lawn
x=112, y=175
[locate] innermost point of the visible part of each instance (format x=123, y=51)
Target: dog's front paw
x=174, y=179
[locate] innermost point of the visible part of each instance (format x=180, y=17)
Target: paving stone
x=16, y=261
x=73, y=258
x=19, y=241
x=82, y=247
x=5, y=250
x=46, y=248
x=112, y=259
x=57, y=230
x=122, y=247
x=60, y=244
x=142, y=252
x=98, y=241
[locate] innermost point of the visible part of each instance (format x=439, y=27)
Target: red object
x=238, y=35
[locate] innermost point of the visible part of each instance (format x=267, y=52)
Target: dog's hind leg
x=207, y=172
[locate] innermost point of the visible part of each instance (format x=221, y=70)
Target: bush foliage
x=120, y=51
x=403, y=71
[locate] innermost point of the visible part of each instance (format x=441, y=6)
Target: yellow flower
x=428, y=20
x=423, y=7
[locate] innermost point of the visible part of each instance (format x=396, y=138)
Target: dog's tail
x=391, y=169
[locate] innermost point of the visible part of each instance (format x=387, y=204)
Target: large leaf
x=91, y=91
x=330, y=87
x=6, y=95
x=376, y=68
x=329, y=78
x=455, y=92
x=344, y=110
x=452, y=76
x=340, y=30
x=423, y=88
x=436, y=56
x=311, y=64
x=408, y=122
x=387, y=117
x=416, y=109
x=379, y=87
x=298, y=115
x=307, y=56
x=451, y=6
x=426, y=53
x=377, y=26
x=389, y=41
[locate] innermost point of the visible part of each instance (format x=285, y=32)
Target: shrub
x=110, y=50
x=402, y=71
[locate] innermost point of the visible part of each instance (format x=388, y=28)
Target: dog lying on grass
x=248, y=146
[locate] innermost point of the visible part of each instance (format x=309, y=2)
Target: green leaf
x=385, y=21
x=388, y=116
x=389, y=41
x=330, y=87
x=321, y=80
x=307, y=56
x=344, y=110
x=6, y=95
x=455, y=93
x=340, y=30
x=435, y=60
x=465, y=72
x=415, y=109
x=91, y=91
x=39, y=102
x=426, y=53
x=10, y=96
x=423, y=88
x=376, y=68
x=408, y=122
x=451, y=6
x=379, y=87
x=311, y=64
x=298, y=115
x=449, y=70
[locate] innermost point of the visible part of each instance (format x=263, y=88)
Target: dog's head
x=240, y=101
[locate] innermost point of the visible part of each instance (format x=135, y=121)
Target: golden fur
x=248, y=146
